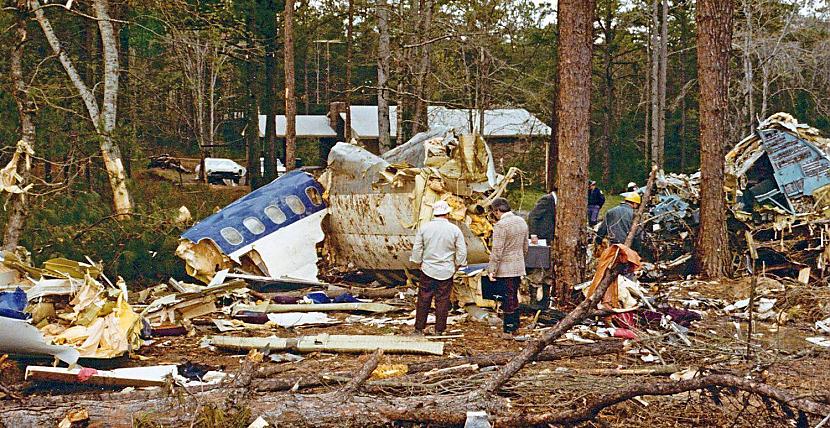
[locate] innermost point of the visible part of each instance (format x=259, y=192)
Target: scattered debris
x=331, y=343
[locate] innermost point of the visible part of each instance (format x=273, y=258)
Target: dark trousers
x=510, y=306
x=428, y=288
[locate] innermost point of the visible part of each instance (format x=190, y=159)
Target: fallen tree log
x=668, y=388
x=501, y=358
x=287, y=409
x=483, y=360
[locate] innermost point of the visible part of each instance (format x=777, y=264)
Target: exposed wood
x=635, y=224
x=362, y=375
x=573, y=135
x=714, y=42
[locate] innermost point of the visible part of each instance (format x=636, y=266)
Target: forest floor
x=717, y=344
x=781, y=357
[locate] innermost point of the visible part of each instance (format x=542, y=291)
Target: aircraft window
x=295, y=204
x=275, y=214
x=314, y=196
x=254, y=225
x=231, y=235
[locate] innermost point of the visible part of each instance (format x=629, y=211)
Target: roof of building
x=308, y=126
x=504, y=122
x=365, y=121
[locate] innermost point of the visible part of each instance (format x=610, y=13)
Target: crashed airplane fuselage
x=376, y=205
x=271, y=231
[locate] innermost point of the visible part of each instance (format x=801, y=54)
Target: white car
x=219, y=169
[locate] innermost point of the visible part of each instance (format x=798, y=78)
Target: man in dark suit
x=542, y=217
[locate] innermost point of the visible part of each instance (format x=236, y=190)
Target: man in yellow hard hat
x=617, y=222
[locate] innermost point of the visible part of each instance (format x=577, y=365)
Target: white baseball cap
x=631, y=184
x=441, y=208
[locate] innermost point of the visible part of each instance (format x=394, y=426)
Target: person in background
x=542, y=217
x=439, y=249
x=618, y=221
x=631, y=187
x=595, y=202
x=507, y=259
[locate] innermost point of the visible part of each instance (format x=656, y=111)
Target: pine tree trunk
x=384, y=56
x=347, y=87
x=26, y=111
x=655, y=83
x=684, y=19
x=269, y=107
x=608, y=93
x=290, y=98
x=573, y=134
x=552, y=155
x=251, y=114
x=419, y=117
x=714, y=41
x=748, y=69
x=664, y=58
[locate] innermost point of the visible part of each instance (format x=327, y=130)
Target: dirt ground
x=780, y=357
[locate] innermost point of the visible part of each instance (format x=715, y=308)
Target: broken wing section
x=272, y=231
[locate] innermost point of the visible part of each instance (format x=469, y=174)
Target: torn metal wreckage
x=777, y=189
x=268, y=293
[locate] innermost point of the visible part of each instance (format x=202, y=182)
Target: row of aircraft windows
x=274, y=214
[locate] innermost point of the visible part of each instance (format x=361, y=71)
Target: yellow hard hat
x=633, y=197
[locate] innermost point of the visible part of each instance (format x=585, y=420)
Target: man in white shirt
x=439, y=249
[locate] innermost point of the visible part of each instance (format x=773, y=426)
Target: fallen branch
x=612, y=346
x=365, y=372
x=562, y=327
x=582, y=311
x=667, y=388
x=635, y=222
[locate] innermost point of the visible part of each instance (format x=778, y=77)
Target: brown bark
x=317, y=410
x=269, y=102
x=661, y=102
x=714, y=40
x=551, y=353
x=26, y=112
x=384, y=56
x=269, y=382
x=290, y=86
x=668, y=388
x=347, y=87
x=419, y=116
x=552, y=155
x=354, y=385
x=573, y=134
x=609, y=45
x=654, y=82
x=635, y=224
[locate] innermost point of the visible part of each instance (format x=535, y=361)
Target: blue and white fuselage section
x=277, y=227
